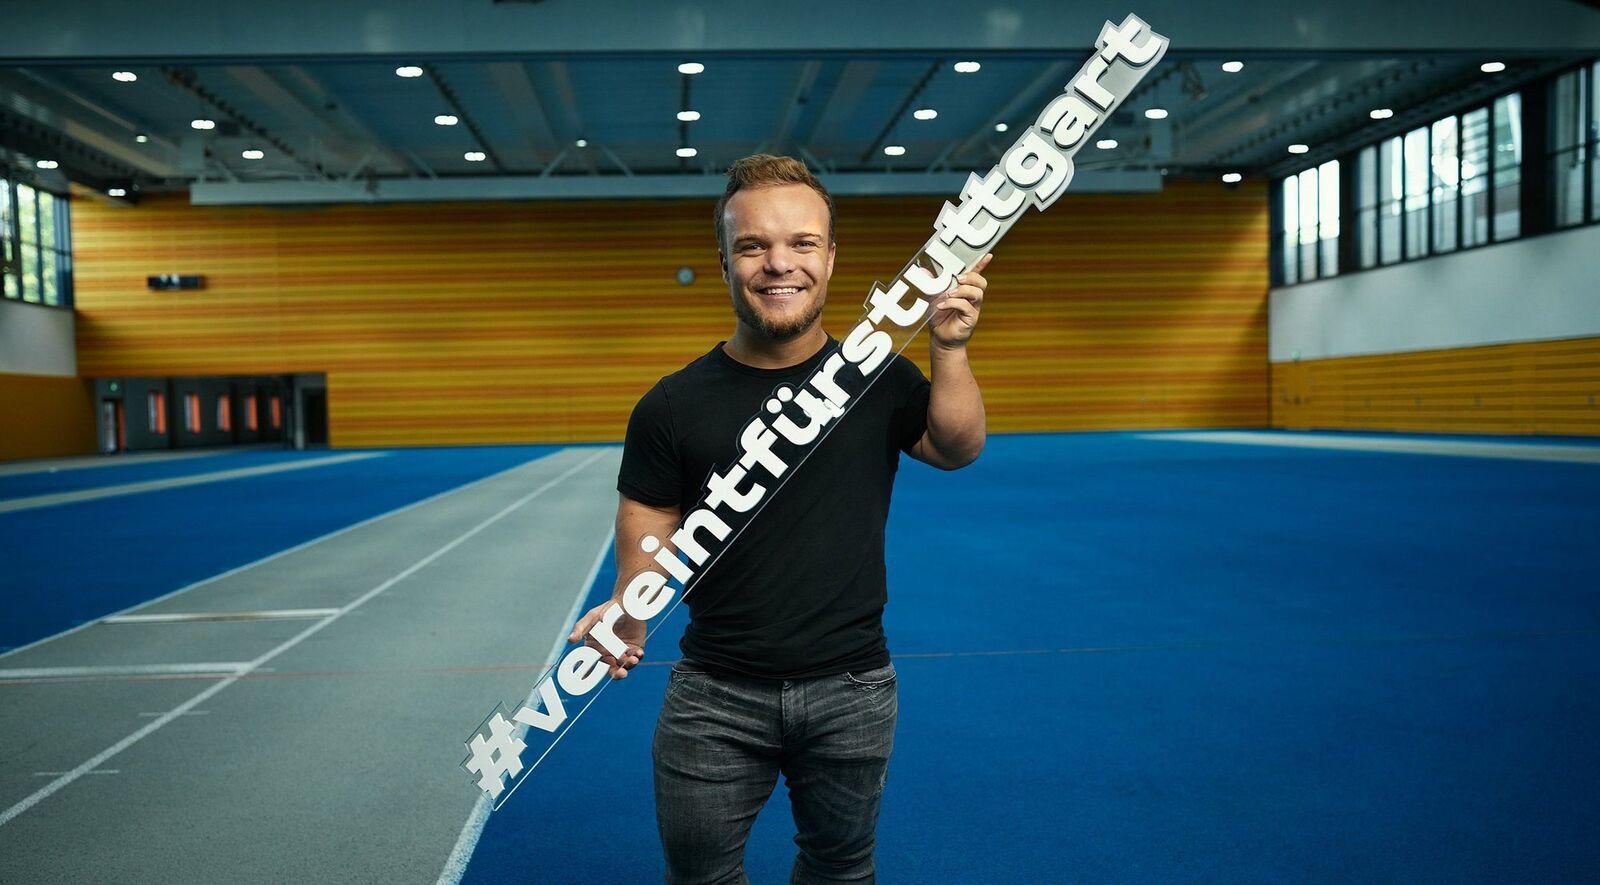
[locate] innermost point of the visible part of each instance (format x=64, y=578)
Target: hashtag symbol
x=495, y=758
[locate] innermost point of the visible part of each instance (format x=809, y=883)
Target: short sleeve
x=911, y=390
x=650, y=472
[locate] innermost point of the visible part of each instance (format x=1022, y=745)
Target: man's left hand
x=955, y=313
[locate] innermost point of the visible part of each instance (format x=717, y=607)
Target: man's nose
x=780, y=260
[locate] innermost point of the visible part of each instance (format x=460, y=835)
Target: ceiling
x=581, y=118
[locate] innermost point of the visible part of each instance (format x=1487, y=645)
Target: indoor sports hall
x=323, y=325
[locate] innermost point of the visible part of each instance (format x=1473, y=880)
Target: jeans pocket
x=871, y=680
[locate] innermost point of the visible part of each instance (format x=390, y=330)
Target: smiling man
x=785, y=666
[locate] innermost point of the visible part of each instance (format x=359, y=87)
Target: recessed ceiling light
x=116, y=192
x=691, y=67
x=46, y=164
x=688, y=116
x=253, y=154
x=894, y=150
x=967, y=67
x=1233, y=67
x=408, y=71
x=687, y=152
x=1001, y=127
x=924, y=113
x=474, y=156
x=203, y=124
x=124, y=76
x=446, y=120
x=1106, y=144
x=582, y=142
x=1492, y=67
x=1298, y=148
x=1231, y=178
x=1380, y=113
x=1155, y=113
x=141, y=138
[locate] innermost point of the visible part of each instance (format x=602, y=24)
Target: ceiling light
x=116, y=192
x=924, y=113
x=446, y=120
x=691, y=67
x=582, y=142
x=1380, y=113
x=124, y=76
x=1233, y=67
x=253, y=154
x=1231, y=178
x=475, y=156
x=1155, y=113
x=1001, y=127
x=203, y=124
x=1106, y=144
x=894, y=150
x=408, y=71
x=687, y=152
x=141, y=138
x=1492, y=67
x=967, y=67
x=1298, y=148
x=46, y=164
x=688, y=116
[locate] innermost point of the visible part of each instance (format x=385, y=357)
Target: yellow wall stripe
x=45, y=416
x=544, y=322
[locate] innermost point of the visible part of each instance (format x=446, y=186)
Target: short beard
x=772, y=331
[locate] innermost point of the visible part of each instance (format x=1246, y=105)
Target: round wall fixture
x=685, y=275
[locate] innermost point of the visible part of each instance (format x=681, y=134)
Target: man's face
x=778, y=259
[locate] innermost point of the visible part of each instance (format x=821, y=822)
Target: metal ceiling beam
x=210, y=29
x=559, y=80
x=343, y=118
x=295, y=112
x=77, y=163
x=799, y=96
x=842, y=100
x=1053, y=78
x=34, y=97
x=464, y=118
x=511, y=78
x=186, y=80
x=900, y=112
x=578, y=187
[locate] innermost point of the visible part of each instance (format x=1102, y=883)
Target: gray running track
x=333, y=760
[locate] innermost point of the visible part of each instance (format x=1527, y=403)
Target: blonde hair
x=766, y=170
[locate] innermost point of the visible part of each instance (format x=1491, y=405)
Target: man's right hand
x=630, y=630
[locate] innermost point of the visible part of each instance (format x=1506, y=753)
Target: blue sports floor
x=1121, y=659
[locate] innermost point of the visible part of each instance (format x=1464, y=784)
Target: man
x=785, y=667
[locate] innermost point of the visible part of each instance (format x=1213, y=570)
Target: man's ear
x=722, y=259
x=832, y=248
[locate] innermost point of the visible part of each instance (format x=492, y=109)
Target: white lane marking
x=100, y=758
x=455, y=866
x=164, y=712
x=282, y=614
x=280, y=554
x=1575, y=454
x=57, y=465
x=59, y=773
x=32, y=502
x=221, y=669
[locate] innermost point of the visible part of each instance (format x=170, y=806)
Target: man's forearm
x=957, y=426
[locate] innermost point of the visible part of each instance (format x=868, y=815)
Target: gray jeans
x=720, y=743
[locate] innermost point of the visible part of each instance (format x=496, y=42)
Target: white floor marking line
x=32, y=502
x=90, y=462
x=164, y=712
x=281, y=553
x=1575, y=454
x=284, y=614
x=221, y=669
x=100, y=758
x=455, y=866
x=59, y=773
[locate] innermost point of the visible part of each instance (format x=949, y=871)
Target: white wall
x=1526, y=290
x=37, y=340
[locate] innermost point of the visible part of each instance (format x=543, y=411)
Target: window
x=1475, y=177
x=1444, y=166
x=1574, y=174
x=36, y=259
x=224, y=414
x=1390, y=194
x=158, y=412
x=1310, y=242
x=250, y=412
x=191, y=412
x=1507, y=174
x=1367, y=206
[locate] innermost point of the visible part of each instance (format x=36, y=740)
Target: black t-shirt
x=801, y=592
